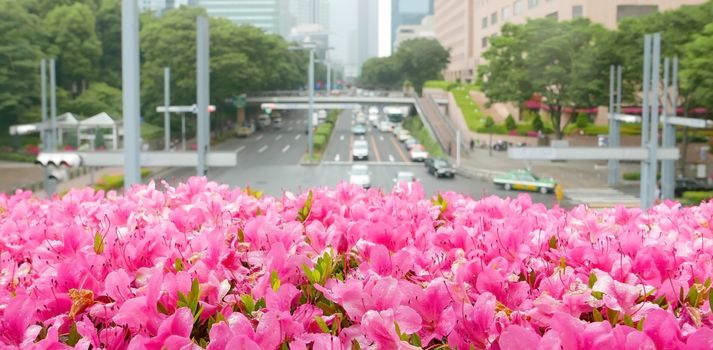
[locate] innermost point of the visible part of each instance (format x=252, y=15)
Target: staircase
x=440, y=125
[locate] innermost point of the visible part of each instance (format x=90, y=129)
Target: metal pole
x=674, y=103
x=183, y=131
x=130, y=90
x=613, y=178
x=53, y=107
x=644, y=177
x=457, y=147
x=667, y=166
x=202, y=91
x=43, y=93
x=654, y=137
x=617, y=126
x=329, y=79
x=311, y=106
x=166, y=103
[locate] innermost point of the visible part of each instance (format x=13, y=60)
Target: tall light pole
x=310, y=113
x=166, y=103
x=130, y=90
x=202, y=91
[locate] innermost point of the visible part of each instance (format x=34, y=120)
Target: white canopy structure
x=96, y=122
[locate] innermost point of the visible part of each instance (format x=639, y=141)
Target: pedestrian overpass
x=328, y=102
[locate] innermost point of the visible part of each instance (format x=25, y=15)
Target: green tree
x=380, y=73
x=73, y=41
x=558, y=68
x=98, y=98
x=510, y=123
x=582, y=120
x=20, y=54
x=537, y=124
x=421, y=60
x=108, y=29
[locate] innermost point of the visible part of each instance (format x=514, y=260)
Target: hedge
x=114, y=182
x=636, y=176
x=696, y=197
x=320, y=141
x=415, y=126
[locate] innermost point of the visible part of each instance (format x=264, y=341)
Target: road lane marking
x=262, y=149
x=285, y=148
x=259, y=137
x=391, y=158
x=336, y=158
x=351, y=143
x=240, y=149
x=381, y=137
x=398, y=148
x=341, y=137
x=278, y=137
x=373, y=146
x=297, y=137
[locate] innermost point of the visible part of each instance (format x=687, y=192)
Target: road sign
x=183, y=109
x=240, y=101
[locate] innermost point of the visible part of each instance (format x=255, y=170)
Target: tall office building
x=158, y=6
x=409, y=12
x=466, y=26
x=310, y=12
x=269, y=15
x=368, y=30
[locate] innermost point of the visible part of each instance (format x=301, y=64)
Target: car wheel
x=544, y=190
x=507, y=187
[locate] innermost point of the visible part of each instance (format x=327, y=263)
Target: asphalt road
x=269, y=161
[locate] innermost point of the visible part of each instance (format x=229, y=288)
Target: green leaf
x=275, y=281
x=284, y=346
x=398, y=331
x=74, y=336
x=98, y=243
x=322, y=325
x=597, y=315
x=592, y=279
x=306, y=208
x=628, y=321
x=415, y=340
x=440, y=202
x=613, y=316
x=248, y=302
x=710, y=297
x=693, y=296
x=161, y=308
x=309, y=274
x=640, y=325
x=178, y=264
x=241, y=236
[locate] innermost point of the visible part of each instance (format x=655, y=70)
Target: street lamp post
x=310, y=121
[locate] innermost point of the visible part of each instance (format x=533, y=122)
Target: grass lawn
x=415, y=126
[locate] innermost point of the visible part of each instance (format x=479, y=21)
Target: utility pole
x=130, y=90
x=654, y=122
x=310, y=121
x=644, y=176
x=202, y=91
x=53, y=107
x=166, y=103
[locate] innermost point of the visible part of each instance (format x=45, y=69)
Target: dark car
x=441, y=168
x=500, y=146
x=688, y=184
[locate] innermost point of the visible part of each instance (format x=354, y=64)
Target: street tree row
x=567, y=63
x=85, y=39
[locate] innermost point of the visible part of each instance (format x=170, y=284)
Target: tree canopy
x=84, y=37
x=416, y=61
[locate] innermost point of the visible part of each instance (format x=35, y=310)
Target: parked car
x=441, y=168
x=418, y=153
x=500, y=145
x=410, y=142
x=360, y=150
x=245, y=130
x=690, y=184
x=360, y=175
x=525, y=180
x=359, y=129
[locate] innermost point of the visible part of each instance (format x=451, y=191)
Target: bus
x=396, y=114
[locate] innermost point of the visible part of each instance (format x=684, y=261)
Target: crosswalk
x=601, y=197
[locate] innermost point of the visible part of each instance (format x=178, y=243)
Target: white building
x=410, y=31
x=269, y=15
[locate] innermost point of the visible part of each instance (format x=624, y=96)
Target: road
x=269, y=161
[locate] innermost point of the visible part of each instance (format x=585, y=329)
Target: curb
x=482, y=174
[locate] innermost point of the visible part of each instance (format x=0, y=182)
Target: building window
x=505, y=13
x=553, y=15
x=577, y=11
x=518, y=8
x=494, y=18
x=484, y=23
x=624, y=11
x=484, y=42
x=532, y=3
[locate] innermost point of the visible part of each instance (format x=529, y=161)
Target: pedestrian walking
x=472, y=144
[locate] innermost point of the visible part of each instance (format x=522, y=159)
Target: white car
x=406, y=177
x=360, y=175
x=418, y=154
x=384, y=126
x=360, y=150
x=403, y=135
x=360, y=118
x=374, y=119
x=373, y=110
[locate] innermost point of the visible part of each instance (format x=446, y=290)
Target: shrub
x=582, y=120
x=510, y=122
x=636, y=176
x=204, y=265
x=696, y=197
x=537, y=124
x=320, y=141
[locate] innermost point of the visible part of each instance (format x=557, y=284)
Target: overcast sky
x=343, y=22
